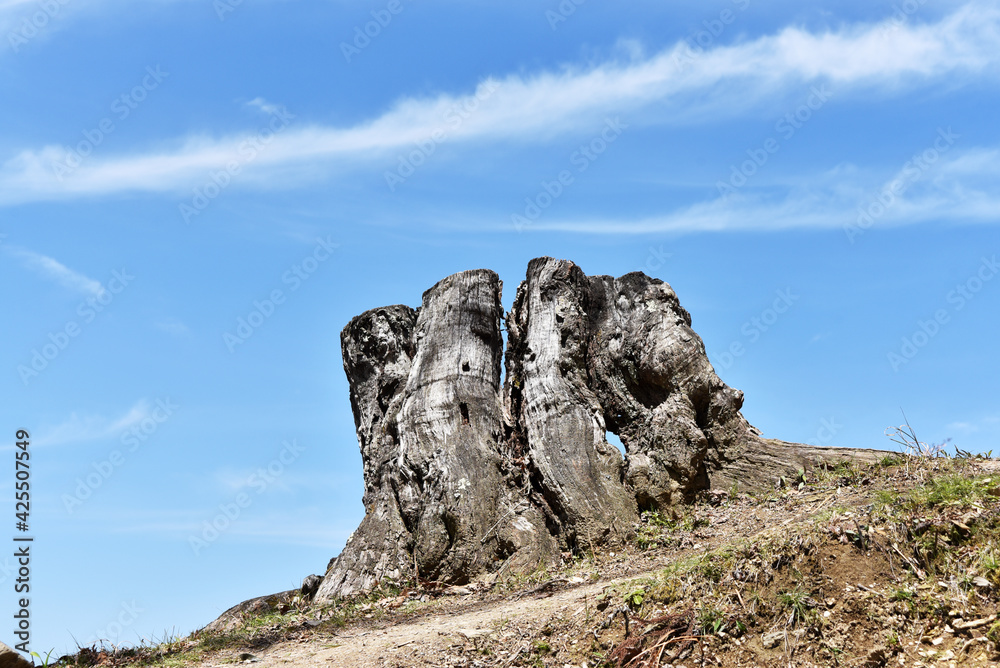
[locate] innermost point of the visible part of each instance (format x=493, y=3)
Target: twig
x=513, y=658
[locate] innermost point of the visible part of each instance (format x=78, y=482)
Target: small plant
x=710, y=621
x=906, y=437
x=647, y=538
x=889, y=461
x=46, y=661
x=994, y=633
x=657, y=519
x=798, y=603
x=989, y=563
x=635, y=599
x=906, y=595
x=953, y=490
x=965, y=454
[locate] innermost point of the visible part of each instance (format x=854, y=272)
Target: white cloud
x=308, y=526
x=668, y=87
x=79, y=428
x=232, y=481
x=57, y=271
x=265, y=106
x=960, y=187
x=173, y=327
x=963, y=427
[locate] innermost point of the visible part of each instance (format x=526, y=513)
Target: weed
x=905, y=595
x=45, y=661
x=635, y=599
x=906, y=437
x=798, y=603
x=710, y=620
x=994, y=632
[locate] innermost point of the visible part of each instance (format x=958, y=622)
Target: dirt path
x=861, y=601
x=437, y=637
x=430, y=638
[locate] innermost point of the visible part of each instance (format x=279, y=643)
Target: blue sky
x=817, y=180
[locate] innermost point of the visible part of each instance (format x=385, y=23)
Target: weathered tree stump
x=463, y=477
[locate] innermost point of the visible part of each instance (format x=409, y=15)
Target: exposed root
x=648, y=648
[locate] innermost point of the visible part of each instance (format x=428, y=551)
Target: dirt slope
x=894, y=565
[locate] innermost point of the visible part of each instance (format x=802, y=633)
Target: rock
x=235, y=616
x=473, y=634
x=974, y=624
x=12, y=659
x=876, y=658
x=310, y=585
x=772, y=640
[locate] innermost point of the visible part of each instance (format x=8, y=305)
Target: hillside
x=893, y=564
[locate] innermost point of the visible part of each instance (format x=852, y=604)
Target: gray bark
x=558, y=422
x=378, y=355
x=425, y=389
x=462, y=479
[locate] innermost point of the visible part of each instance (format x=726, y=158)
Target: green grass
x=798, y=604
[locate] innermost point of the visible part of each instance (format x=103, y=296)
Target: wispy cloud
x=668, y=87
x=230, y=481
x=988, y=423
x=265, y=106
x=80, y=428
x=961, y=187
x=307, y=526
x=54, y=270
x=173, y=327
